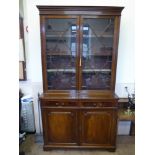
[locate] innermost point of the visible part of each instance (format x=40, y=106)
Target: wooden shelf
x=100, y=54
x=123, y=115
x=59, y=36
x=61, y=70
x=60, y=53
x=123, y=100
x=68, y=53
x=96, y=70
x=99, y=36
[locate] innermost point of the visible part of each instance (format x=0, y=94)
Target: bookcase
x=79, y=58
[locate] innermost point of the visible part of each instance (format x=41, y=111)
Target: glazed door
x=98, y=127
x=79, y=52
x=97, y=51
x=60, y=46
x=60, y=126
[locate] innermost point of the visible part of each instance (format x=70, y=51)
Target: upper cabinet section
x=79, y=47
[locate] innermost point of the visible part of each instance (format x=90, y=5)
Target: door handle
x=80, y=62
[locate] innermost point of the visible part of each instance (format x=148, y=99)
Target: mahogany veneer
x=79, y=106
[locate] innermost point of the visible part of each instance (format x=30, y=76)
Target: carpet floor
x=34, y=146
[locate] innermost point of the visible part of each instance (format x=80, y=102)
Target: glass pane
x=61, y=53
x=97, y=53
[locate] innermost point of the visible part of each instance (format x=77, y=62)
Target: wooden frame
x=22, y=64
x=22, y=72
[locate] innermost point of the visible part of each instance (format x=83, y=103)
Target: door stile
x=80, y=52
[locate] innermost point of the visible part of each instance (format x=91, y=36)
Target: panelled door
x=98, y=127
x=60, y=126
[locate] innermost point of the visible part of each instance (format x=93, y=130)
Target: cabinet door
x=59, y=42
x=98, y=127
x=60, y=126
x=97, y=52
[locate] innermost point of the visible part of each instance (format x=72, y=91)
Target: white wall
x=125, y=67
x=21, y=8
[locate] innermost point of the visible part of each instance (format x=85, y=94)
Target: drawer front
x=58, y=104
x=99, y=104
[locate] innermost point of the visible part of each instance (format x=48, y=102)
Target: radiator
x=27, y=114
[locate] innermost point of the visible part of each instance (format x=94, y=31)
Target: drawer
x=98, y=104
x=58, y=104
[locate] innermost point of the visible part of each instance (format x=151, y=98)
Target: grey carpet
x=34, y=146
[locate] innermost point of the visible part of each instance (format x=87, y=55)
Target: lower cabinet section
x=79, y=127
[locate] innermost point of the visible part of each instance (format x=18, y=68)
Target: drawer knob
x=57, y=103
x=94, y=104
x=100, y=104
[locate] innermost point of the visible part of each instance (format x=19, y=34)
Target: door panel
x=97, y=48
x=61, y=37
x=61, y=126
x=98, y=127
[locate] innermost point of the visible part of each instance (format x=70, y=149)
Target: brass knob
x=94, y=104
x=100, y=104
x=57, y=103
